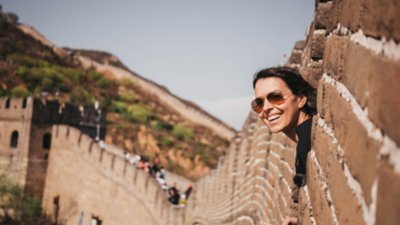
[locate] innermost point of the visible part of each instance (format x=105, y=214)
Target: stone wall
x=15, y=117
x=91, y=181
x=352, y=56
x=31, y=119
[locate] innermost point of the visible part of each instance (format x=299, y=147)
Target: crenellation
x=107, y=160
x=85, y=144
x=352, y=169
x=15, y=108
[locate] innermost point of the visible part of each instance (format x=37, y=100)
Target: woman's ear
x=302, y=101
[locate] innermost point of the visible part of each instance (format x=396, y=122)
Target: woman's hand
x=290, y=221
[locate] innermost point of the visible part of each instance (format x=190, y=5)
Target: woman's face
x=279, y=117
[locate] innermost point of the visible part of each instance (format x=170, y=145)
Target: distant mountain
x=142, y=116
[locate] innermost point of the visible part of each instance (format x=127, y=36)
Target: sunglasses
x=275, y=98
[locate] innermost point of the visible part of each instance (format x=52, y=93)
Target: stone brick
x=347, y=13
x=383, y=105
x=287, y=173
x=306, y=217
x=345, y=202
x=295, y=57
x=320, y=205
x=334, y=56
x=358, y=71
x=325, y=151
x=318, y=44
x=375, y=18
x=323, y=16
x=381, y=18
x=388, y=202
x=360, y=151
x=369, y=77
x=312, y=72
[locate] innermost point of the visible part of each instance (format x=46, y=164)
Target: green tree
x=19, y=208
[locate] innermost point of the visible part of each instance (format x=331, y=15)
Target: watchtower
x=26, y=134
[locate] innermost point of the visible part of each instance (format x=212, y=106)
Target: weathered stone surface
x=334, y=172
x=318, y=44
x=388, y=199
x=375, y=18
x=323, y=16
x=334, y=57
x=320, y=205
x=372, y=83
x=381, y=18
x=360, y=150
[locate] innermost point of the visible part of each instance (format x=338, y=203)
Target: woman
x=285, y=102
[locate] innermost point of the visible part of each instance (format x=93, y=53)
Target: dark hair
x=295, y=82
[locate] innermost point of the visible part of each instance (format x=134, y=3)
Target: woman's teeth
x=273, y=117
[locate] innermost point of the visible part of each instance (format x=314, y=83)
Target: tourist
x=173, y=194
x=285, y=102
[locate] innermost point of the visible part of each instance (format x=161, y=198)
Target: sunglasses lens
x=276, y=98
x=257, y=105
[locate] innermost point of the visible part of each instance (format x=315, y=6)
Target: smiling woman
x=285, y=102
x=283, y=99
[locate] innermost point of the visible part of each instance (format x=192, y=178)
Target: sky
x=205, y=51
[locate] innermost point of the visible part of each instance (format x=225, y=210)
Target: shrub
x=182, y=133
x=161, y=125
x=81, y=96
x=20, y=91
x=165, y=142
x=129, y=97
x=118, y=107
x=137, y=113
x=25, y=209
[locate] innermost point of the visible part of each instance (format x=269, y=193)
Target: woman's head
x=282, y=98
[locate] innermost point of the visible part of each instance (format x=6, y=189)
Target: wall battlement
x=41, y=111
x=97, y=169
x=15, y=108
x=351, y=55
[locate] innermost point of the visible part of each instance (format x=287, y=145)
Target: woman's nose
x=267, y=105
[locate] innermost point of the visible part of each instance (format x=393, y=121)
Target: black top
x=303, y=132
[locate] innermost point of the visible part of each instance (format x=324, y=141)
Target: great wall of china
x=351, y=54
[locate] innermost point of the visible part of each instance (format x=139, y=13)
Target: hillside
x=142, y=116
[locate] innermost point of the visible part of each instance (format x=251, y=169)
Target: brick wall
x=352, y=56
x=15, y=117
x=92, y=181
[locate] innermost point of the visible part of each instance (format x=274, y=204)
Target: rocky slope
x=143, y=117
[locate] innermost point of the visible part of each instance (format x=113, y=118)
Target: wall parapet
x=113, y=169
x=353, y=167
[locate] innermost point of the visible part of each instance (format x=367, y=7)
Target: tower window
x=24, y=101
x=14, y=139
x=8, y=103
x=46, y=141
